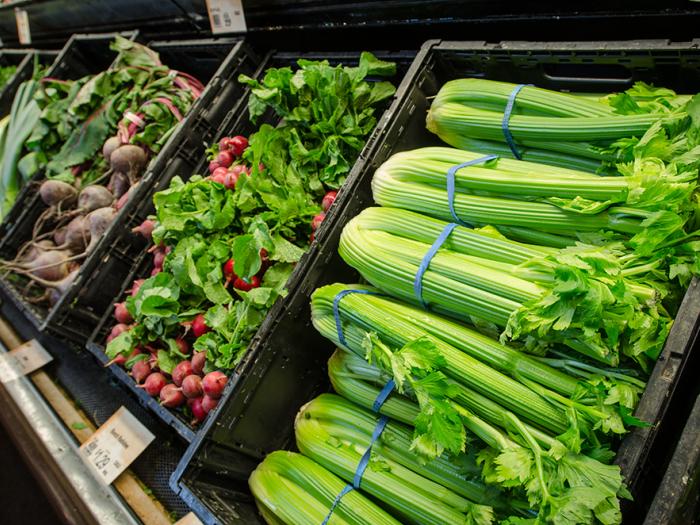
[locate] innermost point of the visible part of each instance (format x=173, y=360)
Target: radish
x=171, y=397
x=117, y=330
x=213, y=384
x=192, y=386
x=328, y=199
x=121, y=314
x=197, y=410
x=219, y=175
x=141, y=370
x=154, y=383
x=238, y=144
x=225, y=158
x=209, y=403
x=246, y=285
x=94, y=197
x=317, y=220
x=155, y=271
x=120, y=360
x=229, y=273
x=135, y=287
x=128, y=159
x=182, y=344
x=55, y=192
x=125, y=198
x=225, y=144
x=199, y=326
x=146, y=229
x=110, y=145
x=181, y=371
x=230, y=180
x=213, y=165
x=158, y=258
x=198, y=361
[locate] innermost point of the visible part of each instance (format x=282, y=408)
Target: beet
x=121, y=314
x=118, y=184
x=192, y=386
x=197, y=410
x=49, y=265
x=328, y=199
x=59, y=236
x=128, y=159
x=55, y=192
x=181, y=371
x=98, y=222
x=199, y=326
x=209, y=403
x=59, y=288
x=213, y=384
x=77, y=235
x=110, y=145
x=94, y=197
x=141, y=370
x=146, y=229
x=154, y=383
x=198, y=361
x=171, y=397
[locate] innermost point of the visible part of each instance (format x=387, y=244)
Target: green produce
x=579, y=295
x=336, y=434
x=292, y=489
x=6, y=73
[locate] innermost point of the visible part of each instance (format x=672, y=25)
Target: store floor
x=21, y=498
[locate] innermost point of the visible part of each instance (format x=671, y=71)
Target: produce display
x=225, y=245
x=58, y=129
x=515, y=311
x=6, y=73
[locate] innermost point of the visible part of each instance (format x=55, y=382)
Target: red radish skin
x=230, y=180
x=135, y=287
x=225, y=158
x=183, y=346
x=120, y=360
x=199, y=359
x=238, y=144
x=94, y=197
x=121, y=314
x=246, y=286
x=55, y=192
x=118, y=329
x=213, y=384
x=312, y=237
x=156, y=271
x=171, y=396
x=141, y=370
x=225, y=144
x=181, y=371
x=154, y=383
x=198, y=410
x=219, y=175
x=213, y=165
x=209, y=403
x=199, y=326
x=158, y=258
x=145, y=229
x=317, y=220
x=192, y=386
x=328, y=199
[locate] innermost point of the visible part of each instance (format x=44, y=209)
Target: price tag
x=189, y=519
x=226, y=16
x=22, y=19
x=23, y=360
x=113, y=447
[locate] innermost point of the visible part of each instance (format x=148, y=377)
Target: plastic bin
x=24, y=60
x=76, y=314
x=288, y=365
x=128, y=247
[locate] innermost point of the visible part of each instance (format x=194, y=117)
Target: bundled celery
x=578, y=296
x=336, y=434
x=291, y=489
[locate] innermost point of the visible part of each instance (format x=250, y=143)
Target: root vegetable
x=135, y=287
x=328, y=199
x=209, y=403
x=183, y=346
x=197, y=410
x=77, y=235
x=94, y=197
x=213, y=384
x=146, y=229
x=141, y=370
x=128, y=159
x=59, y=236
x=213, y=165
x=121, y=314
x=181, y=371
x=225, y=158
x=238, y=144
x=118, y=184
x=120, y=360
x=47, y=265
x=125, y=198
x=59, y=288
x=158, y=258
x=154, y=383
x=192, y=386
x=171, y=396
x=317, y=220
x=98, y=222
x=230, y=180
x=117, y=330
x=111, y=144
x=199, y=326
x=247, y=285
x=55, y=192
x=198, y=361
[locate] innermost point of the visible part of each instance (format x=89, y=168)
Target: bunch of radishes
x=328, y=200
x=225, y=165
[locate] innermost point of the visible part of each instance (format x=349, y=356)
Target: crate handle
x=590, y=80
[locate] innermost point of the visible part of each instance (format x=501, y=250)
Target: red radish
x=135, y=287
x=213, y=165
x=246, y=285
x=55, y=192
x=183, y=346
x=229, y=273
x=158, y=258
x=181, y=371
x=199, y=326
x=238, y=144
x=192, y=386
x=198, y=361
x=261, y=167
x=225, y=144
x=154, y=383
x=121, y=314
x=213, y=384
x=146, y=229
x=230, y=180
x=141, y=370
x=117, y=330
x=209, y=403
x=265, y=262
x=197, y=410
x=171, y=396
x=328, y=199
x=156, y=271
x=120, y=360
x=219, y=175
x=312, y=237
x=225, y=158
x=317, y=220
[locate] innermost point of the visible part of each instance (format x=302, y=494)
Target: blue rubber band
x=346, y=489
x=506, y=118
x=336, y=309
x=451, y=183
x=418, y=281
x=364, y=460
x=383, y=395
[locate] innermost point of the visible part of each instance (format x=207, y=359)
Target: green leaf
x=246, y=256
x=78, y=425
x=166, y=362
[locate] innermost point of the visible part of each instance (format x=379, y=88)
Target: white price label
x=189, y=519
x=22, y=19
x=116, y=444
x=226, y=16
x=23, y=360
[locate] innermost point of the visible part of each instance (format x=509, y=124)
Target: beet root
x=111, y=144
x=118, y=184
x=98, y=222
x=77, y=235
x=146, y=229
x=94, y=197
x=128, y=159
x=55, y=192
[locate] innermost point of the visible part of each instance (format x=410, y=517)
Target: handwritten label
x=22, y=19
x=226, y=16
x=23, y=360
x=116, y=444
x=189, y=519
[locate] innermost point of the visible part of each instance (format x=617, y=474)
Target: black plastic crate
x=127, y=259
x=289, y=366
x=24, y=60
x=75, y=315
